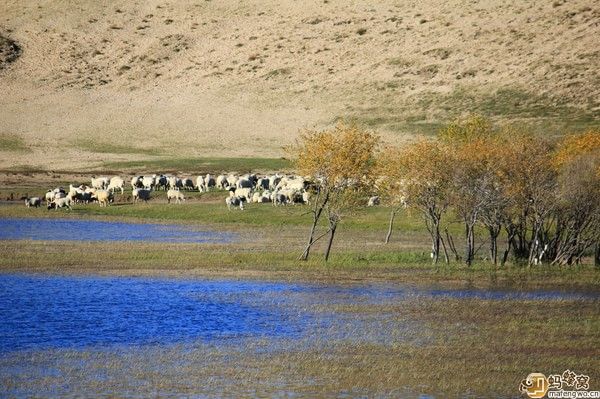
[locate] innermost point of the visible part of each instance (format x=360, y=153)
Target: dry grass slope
x=239, y=79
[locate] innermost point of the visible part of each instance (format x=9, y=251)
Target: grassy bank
x=270, y=239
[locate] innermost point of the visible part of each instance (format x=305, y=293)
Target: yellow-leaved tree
x=340, y=163
x=577, y=228
x=418, y=176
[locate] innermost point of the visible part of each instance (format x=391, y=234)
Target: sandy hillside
x=82, y=83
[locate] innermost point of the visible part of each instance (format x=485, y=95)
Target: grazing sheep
x=274, y=181
x=244, y=183
x=80, y=197
x=59, y=194
x=99, y=183
x=116, y=182
x=297, y=198
x=49, y=196
x=279, y=198
x=292, y=182
x=222, y=182
x=60, y=203
x=140, y=194
x=209, y=181
x=265, y=197
x=175, y=195
x=200, y=185
x=244, y=192
x=256, y=197
x=33, y=202
x=104, y=197
x=73, y=190
x=234, y=201
x=187, y=183
x=148, y=182
x=232, y=180
x=161, y=182
x=174, y=183
x=262, y=183
x=306, y=197
x=136, y=182
x=374, y=200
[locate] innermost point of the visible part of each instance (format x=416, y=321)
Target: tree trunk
x=333, y=227
x=436, y=242
x=470, y=244
x=391, y=226
x=452, y=246
x=311, y=241
x=509, y=243
x=446, y=258
x=317, y=211
x=597, y=255
x=494, y=232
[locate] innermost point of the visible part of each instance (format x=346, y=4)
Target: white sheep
x=222, y=182
x=104, y=197
x=200, y=184
x=148, y=182
x=175, y=195
x=60, y=203
x=99, y=183
x=49, y=197
x=232, y=180
x=306, y=195
x=244, y=192
x=116, y=182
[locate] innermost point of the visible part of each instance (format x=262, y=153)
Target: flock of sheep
x=276, y=189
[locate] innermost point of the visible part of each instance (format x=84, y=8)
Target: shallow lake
x=40, y=312
x=64, y=336
x=93, y=230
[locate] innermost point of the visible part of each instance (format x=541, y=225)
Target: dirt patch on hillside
x=9, y=51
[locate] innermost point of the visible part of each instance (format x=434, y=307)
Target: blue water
x=93, y=230
x=41, y=312
x=55, y=312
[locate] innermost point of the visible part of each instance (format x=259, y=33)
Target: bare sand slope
x=90, y=81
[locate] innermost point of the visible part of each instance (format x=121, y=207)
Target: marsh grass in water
x=464, y=347
x=266, y=258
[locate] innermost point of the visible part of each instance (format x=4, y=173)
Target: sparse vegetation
x=207, y=164
x=12, y=143
x=9, y=51
x=112, y=148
